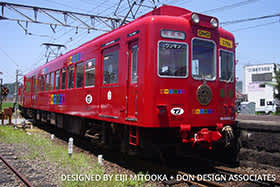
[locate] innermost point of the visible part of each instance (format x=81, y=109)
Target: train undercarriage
x=165, y=143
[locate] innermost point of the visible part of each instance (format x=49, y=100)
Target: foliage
x=7, y=105
x=277, y=87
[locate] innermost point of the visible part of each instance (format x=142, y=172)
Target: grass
x=7, y=105
x=42, y=148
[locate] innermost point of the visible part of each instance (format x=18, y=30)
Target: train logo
x=88, y=99
x=204, y=94
x=109, y=95
x=177, y=111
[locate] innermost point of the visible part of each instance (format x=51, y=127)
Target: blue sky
x=258, y=41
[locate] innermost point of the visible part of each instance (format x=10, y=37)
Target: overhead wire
x=234, y=5
x=11, y=59
x=255, y=26
x=250, y=19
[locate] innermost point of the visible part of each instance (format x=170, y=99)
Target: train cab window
x=226, y=66
x=71, y=76
x=90, y=73
x=111, y=67
x=79, y=75
x=57, y=79
x=203, y=59
x=47, y=81
x=42, y=83
x=172, y=59
x=52, y=81
x=134, y=62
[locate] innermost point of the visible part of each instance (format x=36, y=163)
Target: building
x=258, y=88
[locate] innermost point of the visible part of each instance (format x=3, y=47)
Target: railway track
x=139, y=165
x=9, y=176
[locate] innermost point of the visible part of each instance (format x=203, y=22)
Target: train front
x=195, y=79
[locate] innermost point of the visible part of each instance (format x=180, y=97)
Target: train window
x=172, y=59
x=79, y=75
x=47, y=81
x=39, y=83
x=57, y=79
x=90, y=73
x=111, y=67
x=71, y=76
x=134, y=62
x=34, y=85
x=203, y=59
x=63, y=78
x=52, y=81
x=27, y=86
x=42, y=83
x=226, y=65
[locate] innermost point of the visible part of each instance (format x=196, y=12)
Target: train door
x=111, y=91
x=132, y=82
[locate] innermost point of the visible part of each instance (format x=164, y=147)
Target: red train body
x=170, y=71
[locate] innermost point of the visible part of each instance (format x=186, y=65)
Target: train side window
x=134, y=62
x=90, y=73
x=52, y=81
x=39, y=84
x=63, y=78
x=27, y=86
x=111, y=67
x=47, y=81
x=79, y=75
x=57, y=79
x=42, y=83
x=34, y=85
x=71, y=76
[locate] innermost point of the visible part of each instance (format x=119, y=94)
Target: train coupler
x=206, y=137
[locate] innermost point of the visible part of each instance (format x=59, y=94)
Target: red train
x=163, y=81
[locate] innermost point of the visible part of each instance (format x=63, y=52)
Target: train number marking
x=109, y=95
x=177, y=111
x=88, y=99
x=226, y=43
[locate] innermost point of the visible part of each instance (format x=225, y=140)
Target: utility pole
x=16, y=95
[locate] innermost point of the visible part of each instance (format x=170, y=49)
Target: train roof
x=165, y=10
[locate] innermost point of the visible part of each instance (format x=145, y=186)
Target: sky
x=258, y=41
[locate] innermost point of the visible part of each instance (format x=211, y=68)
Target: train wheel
x=227, y=151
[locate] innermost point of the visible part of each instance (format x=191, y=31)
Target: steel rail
x=21, y=177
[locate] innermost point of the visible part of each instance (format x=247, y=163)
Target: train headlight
x=214, y=22
x=195, y=18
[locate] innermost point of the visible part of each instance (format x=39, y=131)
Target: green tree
x=277, y=86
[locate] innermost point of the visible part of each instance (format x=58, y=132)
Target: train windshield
x=172, y=59
x=226, y=66
x=203, y=59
